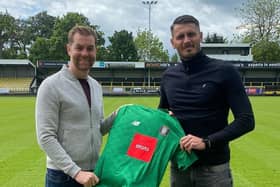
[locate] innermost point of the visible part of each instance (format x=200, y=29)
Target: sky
x=215, y=16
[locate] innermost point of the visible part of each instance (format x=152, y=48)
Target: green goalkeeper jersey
x=139, y=146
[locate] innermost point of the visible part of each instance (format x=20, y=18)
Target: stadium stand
x=16, y=76
x=16, y=85
x=142, y=78
x=228, y=51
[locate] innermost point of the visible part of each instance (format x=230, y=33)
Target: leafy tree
x=41, y=25
x=149, y=47
x=39, y=50
x=58, y=39
x=158, y=53
x=214, y=38
x=122, y=47
x=9, y=53
x=261, y=18
x=143, y=45
x=266, y=51
x=102, y=53
x=23, y=38
x=25, y=33
x=175, y=58
x=7, y=33
x=17, y=36
x=101, y=50
x=261, y=22
x=60, y=34
x=56, y=44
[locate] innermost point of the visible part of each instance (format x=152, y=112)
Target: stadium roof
x=225, y=45
x=16, y=62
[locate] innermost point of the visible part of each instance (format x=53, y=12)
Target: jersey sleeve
x=183, y=159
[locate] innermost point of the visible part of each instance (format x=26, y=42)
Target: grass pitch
x=255, y=157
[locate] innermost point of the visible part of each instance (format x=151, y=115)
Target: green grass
x=255, y=157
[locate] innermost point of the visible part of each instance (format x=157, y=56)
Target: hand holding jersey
x=88, y=179
x=191, y=142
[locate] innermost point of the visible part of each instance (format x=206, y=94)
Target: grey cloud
x=215, y=15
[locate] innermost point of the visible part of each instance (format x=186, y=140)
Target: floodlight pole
x=149, y=3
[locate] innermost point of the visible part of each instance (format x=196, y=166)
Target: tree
x=56, y=43
x=27, y=30
x=149, y=47
x=175, y=58
x=266, y=51
x=38, y=48
x=41, y=25
x=261, y=22
x=23, y=38
x=122, y=47
x=7, y=33
x=102, y=52
x=60, y=33
x=214, y=38
x=261, y=19
x=158, y=53
x=9, y=53
x=19, y=34
x=58, y=39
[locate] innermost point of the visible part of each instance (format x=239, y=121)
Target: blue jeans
x=56, y=178
x=202, y=176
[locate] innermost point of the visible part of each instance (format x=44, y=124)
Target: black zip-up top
x=200, y=92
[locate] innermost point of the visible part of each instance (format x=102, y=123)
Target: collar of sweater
x=195, y=63
x=68, y=73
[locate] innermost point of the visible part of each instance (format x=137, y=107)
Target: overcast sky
x=215, y=16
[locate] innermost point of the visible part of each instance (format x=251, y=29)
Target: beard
x=189, y=51
x=84, y=64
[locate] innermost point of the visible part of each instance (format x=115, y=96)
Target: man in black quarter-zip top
x=200, y=92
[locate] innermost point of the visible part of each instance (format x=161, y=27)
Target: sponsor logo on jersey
x=136, y=123
x=142, y=147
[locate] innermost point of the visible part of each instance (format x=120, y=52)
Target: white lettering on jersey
x=142, y=147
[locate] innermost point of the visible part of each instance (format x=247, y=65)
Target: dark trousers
x=202, y=176
x=56, y=178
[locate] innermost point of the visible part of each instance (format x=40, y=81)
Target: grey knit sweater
x=68, y=130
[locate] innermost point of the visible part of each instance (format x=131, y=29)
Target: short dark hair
x=83, y=30
x=184, y=19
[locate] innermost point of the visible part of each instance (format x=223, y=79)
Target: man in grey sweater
x=69, y=115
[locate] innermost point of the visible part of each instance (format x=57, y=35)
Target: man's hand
x=190, y=142
x=88, y=179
